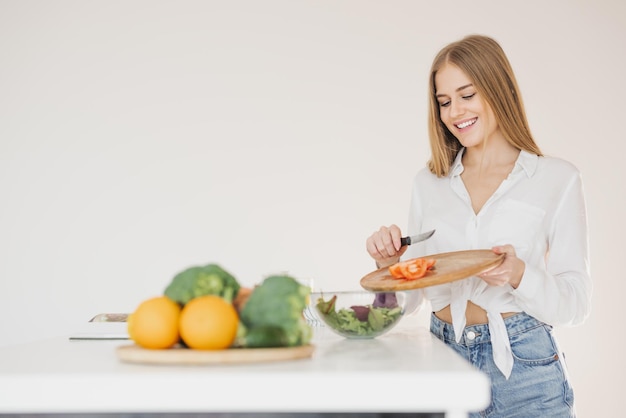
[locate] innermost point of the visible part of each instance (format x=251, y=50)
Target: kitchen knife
x=416, y=238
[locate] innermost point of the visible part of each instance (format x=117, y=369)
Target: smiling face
x=466, y=115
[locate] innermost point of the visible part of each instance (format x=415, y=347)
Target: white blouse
x=540, y=210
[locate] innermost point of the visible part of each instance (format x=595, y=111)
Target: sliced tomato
x=430, y=262
x=412, y=269
x=395, y=271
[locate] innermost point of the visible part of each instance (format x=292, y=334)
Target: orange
x=154, y=324
x=208, y=323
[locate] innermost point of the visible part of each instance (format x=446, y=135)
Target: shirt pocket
x=517, y=223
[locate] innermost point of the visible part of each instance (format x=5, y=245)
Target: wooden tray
x=449, y=267
x=185, y=356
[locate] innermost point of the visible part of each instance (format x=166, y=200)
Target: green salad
x=362, y=321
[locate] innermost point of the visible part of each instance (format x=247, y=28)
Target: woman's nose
x=456, y=108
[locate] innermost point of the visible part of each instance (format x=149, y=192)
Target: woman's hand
x=384, y=246
x=509, y=271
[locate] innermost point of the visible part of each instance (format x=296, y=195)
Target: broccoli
x=202, y=280
x=278, y=302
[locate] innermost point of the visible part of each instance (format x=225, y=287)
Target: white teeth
x=466, y=124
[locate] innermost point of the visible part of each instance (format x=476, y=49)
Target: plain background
x=138, y=138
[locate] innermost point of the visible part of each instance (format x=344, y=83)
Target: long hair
x=482, y=59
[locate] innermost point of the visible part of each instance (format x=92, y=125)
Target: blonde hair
x=482, y=59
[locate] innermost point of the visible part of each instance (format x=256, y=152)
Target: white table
x=406, y=370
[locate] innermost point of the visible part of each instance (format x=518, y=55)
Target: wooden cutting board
x=449, y=267
x=185, y=356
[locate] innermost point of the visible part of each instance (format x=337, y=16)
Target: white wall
x=138, y=138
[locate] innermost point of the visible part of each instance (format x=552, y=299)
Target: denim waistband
x=476, y=334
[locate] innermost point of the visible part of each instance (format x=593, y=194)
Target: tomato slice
x=412, y=269
x=430, y=263
x=395, y=271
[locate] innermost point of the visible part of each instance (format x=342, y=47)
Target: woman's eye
x=444, y=104
x=469, y=96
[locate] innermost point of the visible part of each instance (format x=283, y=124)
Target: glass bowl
x=359, y=314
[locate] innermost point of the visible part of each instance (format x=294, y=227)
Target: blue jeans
x=538, y=385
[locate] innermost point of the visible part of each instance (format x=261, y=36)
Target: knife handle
x=405, y=241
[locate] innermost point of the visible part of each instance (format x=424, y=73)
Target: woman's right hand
x=384, y=246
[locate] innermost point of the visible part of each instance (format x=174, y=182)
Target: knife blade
x=416, y=238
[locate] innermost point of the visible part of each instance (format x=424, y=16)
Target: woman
x=488, y=186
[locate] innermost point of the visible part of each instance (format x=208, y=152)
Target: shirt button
x=471, y=335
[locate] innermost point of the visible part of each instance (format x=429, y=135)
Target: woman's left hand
x=509, y=271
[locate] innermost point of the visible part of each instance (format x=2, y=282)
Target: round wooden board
x=449, y=267
x=185, y=356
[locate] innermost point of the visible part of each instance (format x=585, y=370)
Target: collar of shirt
x=525, y=161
